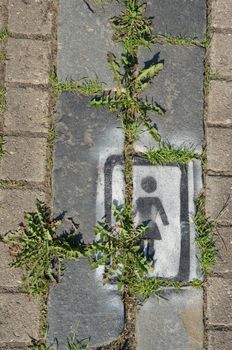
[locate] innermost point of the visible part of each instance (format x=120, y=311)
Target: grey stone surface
x=164, y=200
x=179, y=90
x=86, y=140
x=179, y=17
x=81, y=304
x=172, y=322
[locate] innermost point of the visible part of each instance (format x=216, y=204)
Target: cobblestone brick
x=220, y=55
x=220, y=102
x=219, y=340
x=224, y=250
x=10, y=277
x=25, y=159
x=13, y=204
x=218, y=193
x=219, y=301
x=30, y=17
x=221, y=14
x=19, y=319
x=27, y=110
x=28, y=61
x=219, y=149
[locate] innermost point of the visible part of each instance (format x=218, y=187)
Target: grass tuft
x=39, y=251
x=3, y=103
x=168, y=154
x=85, y=87
x=205, y=230
x=3, y=34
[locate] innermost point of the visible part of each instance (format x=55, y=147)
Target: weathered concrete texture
x=172, y=322
x=179, y=17
x=28, y=61
x=164, y=200
x=87, y=141
x=79, y=25
x=3, y=14
x=223, y=240
x=179, y=90
x=220, y=55
x=81, y=304
x=19, y=320
x=30, y=17
x=218, y=199
x=219, y=301
x=28, y=110
x=220, y=103
x=219, y=340
x=25, y=159
x=221, y=14
x=16, y=202
x=10, y=277
x=219, y=149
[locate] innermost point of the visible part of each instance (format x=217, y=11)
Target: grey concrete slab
x=174, y=321
x=179, y=90
x=81, y=304
x=164, y=200
x=84, y=37
x=180, y=17
x=89, y=141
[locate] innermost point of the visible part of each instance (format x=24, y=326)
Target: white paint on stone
x=167, y=250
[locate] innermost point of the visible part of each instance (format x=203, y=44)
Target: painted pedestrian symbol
x=148, y=208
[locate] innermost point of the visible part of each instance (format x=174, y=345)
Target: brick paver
x=28, y=61
x=218, y=194
x=219, y=340
x=10, y=277
x=219, y=145
x=224, y=250
x=25, y=124
x=25, y=159
x=13, y=203
x=221, y=14
x=30, y=17
x=219, y=188
x=28, y=110
x=219, y=301
x=220, y=103
x=19, y=319
x=220, y=55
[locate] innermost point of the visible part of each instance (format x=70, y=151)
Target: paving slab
x=221, y=14
x=164, y=200
x=179, y=17
x=175, y=321
x=76, y=60
x=10, y=277
x=220, y=55
x=179, y=90
x=218, y=340
x=89, y=142
x=81, y=304
x=223, y=241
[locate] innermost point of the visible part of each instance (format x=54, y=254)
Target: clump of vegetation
x=39, y=251
x=3, y=35
x=3, y=103
x=168, y=154
x=205, y=231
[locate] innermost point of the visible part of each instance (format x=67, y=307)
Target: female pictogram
x=148, y=208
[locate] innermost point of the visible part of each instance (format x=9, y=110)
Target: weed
x=85, y=87
x=39, y=251
x=3, y=103
x=3, y=35
x=2, y=57
x=205, y=241
x=168, y=154
x=2, y=143
x=176, y=40
x=118, y=248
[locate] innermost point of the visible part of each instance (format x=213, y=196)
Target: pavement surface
x=87, y=173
